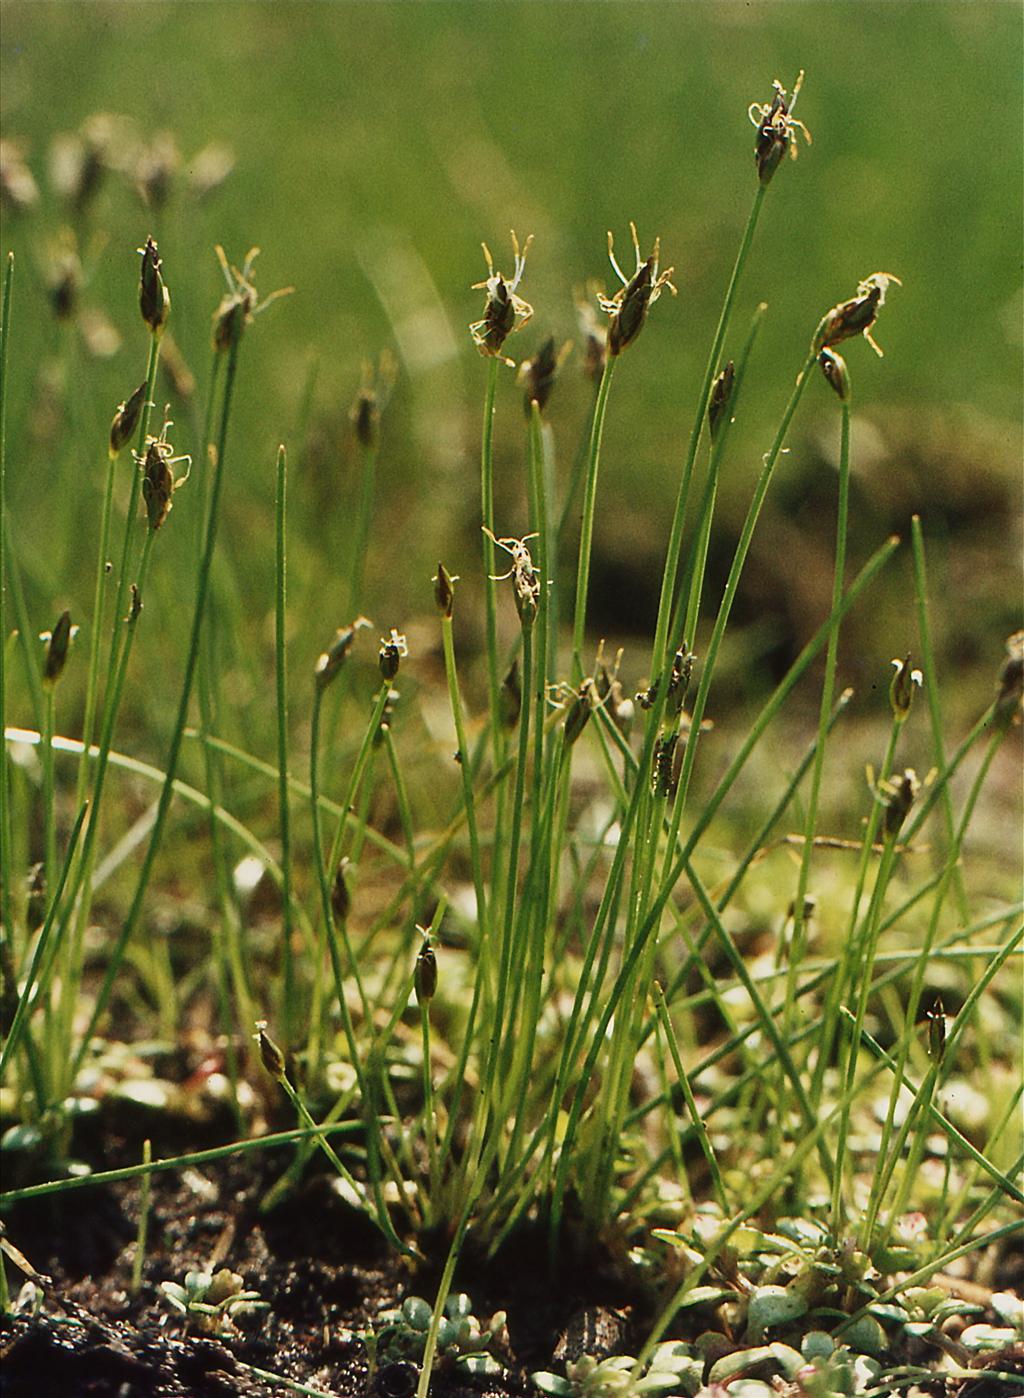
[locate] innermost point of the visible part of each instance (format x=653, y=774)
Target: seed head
x=629, y=306
x=833, y=366
x=525, y=581
x=1010, y=685
x=154, y=298
x=577, y=714
x=936, y=1018
x=425, y=971
x=65, y=277
x=126, y=419
x=240, y=307
x=58, y=643
x=374, y=392
x=444, y=590
x=593, y=331
x=679, y=680
x=156, y=167
x=341, y=899
x=664, y=778
x=332, y=659
x=856, y=316
x=392, y=650
x=900, y=796
x=538, y=375
x=775, y=125
x=721, y=398
x=504, y=311
x=270, y=1053
x=901, y=688
x=158, y=481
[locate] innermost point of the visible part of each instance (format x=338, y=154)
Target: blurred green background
x=377, y=144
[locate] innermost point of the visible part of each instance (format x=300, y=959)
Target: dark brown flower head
x=425, y=971
x=936, y=1018
x=270, y=1053
x=856, y=316
x=629, y=306
x=538, y=374
x=158, y=480
x=578, y=710
x=392, y=650
x=341, y=899
x=332, y=659
x=372, y=398
x=58, y=643
x=525, y=580
x=775, y=126
x=154, y=298
x=679, y=680
x=902, y=686
x=1010, y=685
x=126, y=419
x=240, y=307
x=720, y=399
x=899, y=795
x=65, y=278
x=837, y=376
x=664, y=777
x=594, y=332
x=444, y=590
x=504, y=311
x=156, y=168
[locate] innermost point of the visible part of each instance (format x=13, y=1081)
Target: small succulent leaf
x=416, y=1312
x=551, y=1383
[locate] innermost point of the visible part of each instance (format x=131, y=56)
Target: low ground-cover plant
x=546, y=1009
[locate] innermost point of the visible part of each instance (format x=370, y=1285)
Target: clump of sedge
x=629, y=306
x=594, y=332
x=425, y=971
x=775, y=126
x=899, y=795
x=856, y=316
x=444, y=590
x=504, y=311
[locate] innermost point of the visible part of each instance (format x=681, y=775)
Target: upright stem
x=490, y=590
x=284, y=816
x=587, y=526
x=668, y=580
x=5, y=830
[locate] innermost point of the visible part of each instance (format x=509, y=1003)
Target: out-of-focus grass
x=377, y=144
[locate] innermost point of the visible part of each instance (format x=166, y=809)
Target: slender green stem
x=587, y=525
x=102, y=577
x=368, y=454
x=931, y=690
x=703, y=1138
x=668, y=578
x=288, y=1007
x=5, y=813
x=797, y=942
x=490, y=589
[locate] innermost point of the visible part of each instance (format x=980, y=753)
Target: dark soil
x=324, y=1271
